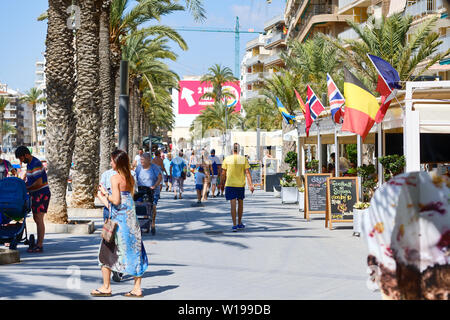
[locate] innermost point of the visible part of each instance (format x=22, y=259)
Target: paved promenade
x=194, y=255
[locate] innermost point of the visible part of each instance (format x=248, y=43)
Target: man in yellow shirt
x=235, y=168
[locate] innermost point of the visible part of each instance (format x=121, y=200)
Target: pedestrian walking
x=207, y=170
x=178, y=173
x=105, y=181
x=167, y=176
x=149, y=176
x=158, y=160
x=192, y=162
x=200, y=180
x=137, y=159
x=126, y=254
x=216, y=168
x=37, y=186
x=234, y=169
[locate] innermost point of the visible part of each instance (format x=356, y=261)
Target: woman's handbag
x=109, y=229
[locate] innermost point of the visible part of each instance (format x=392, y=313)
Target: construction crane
x=236, y=31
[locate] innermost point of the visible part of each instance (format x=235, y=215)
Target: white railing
x=275, y=37
x=256, y=59
x=423, y=7
x=273, y=58
x=253, y=94
x=253, y=43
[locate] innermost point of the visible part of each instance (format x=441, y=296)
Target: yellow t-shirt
x=235, y=166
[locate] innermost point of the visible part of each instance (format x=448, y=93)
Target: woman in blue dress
x=126, y=254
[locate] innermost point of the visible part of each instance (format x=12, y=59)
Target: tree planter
x=289, y=195
x=301, y=201
x=357, y=220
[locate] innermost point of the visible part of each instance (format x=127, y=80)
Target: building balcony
x=273, y=22
x=256, y=77
x=9, y=116
x=260, y=58
x=423, y=7
x=276, y=38
x=274, y=59
x=254, y=43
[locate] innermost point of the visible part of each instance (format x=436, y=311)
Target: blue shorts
x=199, y=187
x=234, y=193
x=156, y=196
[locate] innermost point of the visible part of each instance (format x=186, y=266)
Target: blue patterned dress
x=127, y=253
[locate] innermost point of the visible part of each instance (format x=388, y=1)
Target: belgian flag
x=361, y=106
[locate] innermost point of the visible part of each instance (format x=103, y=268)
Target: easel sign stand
x=316, y=193
x=342, y=194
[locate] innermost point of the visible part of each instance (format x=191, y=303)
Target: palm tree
x=410, y=52
x=217, y=76
x=214, y=116
x=3, y=103
x=282, y=86
x=310, y=61
x=60, y=84
x=87, y=112
x=270, y=118
x=34, y=97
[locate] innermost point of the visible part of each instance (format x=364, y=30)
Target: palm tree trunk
x=107, y=88
x=60, y=83
x=86, y=151
x=131, y=112
x=136, y=121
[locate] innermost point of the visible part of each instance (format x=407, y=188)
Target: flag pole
x=319, y=146
x=380, y=154
x=336, y=153
x=359, y=162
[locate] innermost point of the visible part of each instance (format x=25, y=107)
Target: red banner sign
x=189, y=101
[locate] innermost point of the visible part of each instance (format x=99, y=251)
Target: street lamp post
x=124, y=102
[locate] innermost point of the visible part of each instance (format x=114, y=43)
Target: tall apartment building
x=41, y=108
x=16, y=116
x=262, y=58
x=304, y=18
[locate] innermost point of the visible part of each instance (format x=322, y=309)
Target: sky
x=23, y=37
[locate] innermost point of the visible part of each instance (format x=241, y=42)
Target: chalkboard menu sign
x=316, y=193
x=342, y=195
x=256, y=173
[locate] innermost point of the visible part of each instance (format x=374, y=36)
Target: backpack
x=14, y=199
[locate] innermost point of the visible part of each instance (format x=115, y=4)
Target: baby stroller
x=15, y=205
x=144, y=207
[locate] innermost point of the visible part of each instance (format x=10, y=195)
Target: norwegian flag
x=314, y=104
x=336, y=101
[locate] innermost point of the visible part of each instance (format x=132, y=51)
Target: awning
x=291, y=136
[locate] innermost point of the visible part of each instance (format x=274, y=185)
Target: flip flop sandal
x=38, y=249
x=132, y=295
x=98, y=293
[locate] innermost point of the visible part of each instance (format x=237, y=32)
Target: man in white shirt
x=137, y=159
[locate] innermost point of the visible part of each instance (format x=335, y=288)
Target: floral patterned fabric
x=407, y=230
x=127, y=253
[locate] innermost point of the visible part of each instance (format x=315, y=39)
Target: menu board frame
x=257, y=163
x=307, y=211
x=328, y=219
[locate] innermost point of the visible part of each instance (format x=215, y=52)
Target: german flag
x=361, y=106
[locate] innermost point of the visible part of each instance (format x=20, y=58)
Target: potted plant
x=392, y=165
x=359, y=209
x=301, y=198
x=289, y=190
x=369, y=180
x=312, y=166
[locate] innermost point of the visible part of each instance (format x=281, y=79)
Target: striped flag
x=361, y=106
x=314, y=104
x=286, y=116
x=336, y=101
x=387, y=85
x=306, y=113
